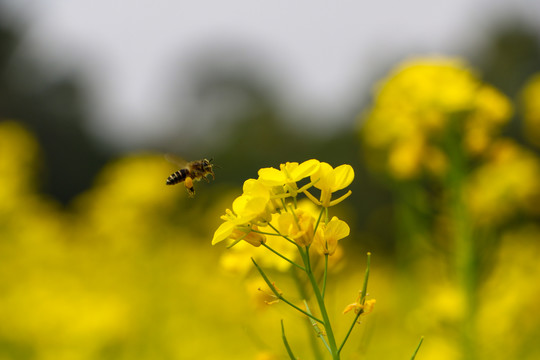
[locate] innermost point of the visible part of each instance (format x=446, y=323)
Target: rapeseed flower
x=288, y=174
x=251, y=208
x=298, y=226
x=236, y=229
x=357, y=306
x=261, y=198
x=421, y=105
x=328, y=235
x=330, y=180
x=269, y=216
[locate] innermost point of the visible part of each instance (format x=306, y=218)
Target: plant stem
x=466, y=255
x=322, y=307
x=286, y=343
x=316, y=328
x=283, y=257
x=417, y=348
x=279, y=296
x=325, y=275
x=317, y=355
x=362, y=302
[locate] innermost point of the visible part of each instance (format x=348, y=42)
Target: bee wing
x=176, y=160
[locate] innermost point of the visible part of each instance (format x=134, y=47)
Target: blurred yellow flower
x=530, y=101
x=491, y=110
x=266, y=355
x=18, y=160
x=421, y=103
x=238, y=257
x=126, y=197
x=512, y=285
x=328, y=235
x=507, y=182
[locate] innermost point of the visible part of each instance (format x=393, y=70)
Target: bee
x=190, y=171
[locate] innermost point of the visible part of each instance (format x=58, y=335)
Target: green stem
x=286, y=343
x=283, y=257
x=279, y=296
x=317, y=355
x=355, y=321
x=466, y=255
x=326, y=215
x=266, y=233
x=362, y=302
x=316, y=328
x=322, y=307
x=318, y=221
x=283, y=236
x=417, y=348
x=325, y=275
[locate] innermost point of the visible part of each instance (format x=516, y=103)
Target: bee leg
x=206, y=179
x=189, y=186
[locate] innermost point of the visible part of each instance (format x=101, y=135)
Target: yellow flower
x=236, y=229
x=254, y=204
x=357, y=306
x=298, y=226
x=223, y=231
x=251, y=208
x=248, y=236
x=330, y=180
x=327, y=236
x=288, y=175
x=238, y=258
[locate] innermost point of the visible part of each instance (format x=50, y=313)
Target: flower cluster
x=270, y=216
x=419, y=105
x=268, y=206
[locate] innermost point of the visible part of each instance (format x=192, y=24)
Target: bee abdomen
x=177, y=177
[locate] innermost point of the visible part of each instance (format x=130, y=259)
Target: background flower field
x=99, y=259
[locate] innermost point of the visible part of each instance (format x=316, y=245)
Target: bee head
x=207, y=164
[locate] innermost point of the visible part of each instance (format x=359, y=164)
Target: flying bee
x=190, y=171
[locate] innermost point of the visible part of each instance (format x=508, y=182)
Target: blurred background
x=99, y=260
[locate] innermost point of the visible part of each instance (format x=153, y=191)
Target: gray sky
x=316, y=51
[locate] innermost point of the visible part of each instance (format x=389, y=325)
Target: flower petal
x=337, y=229
x=255, y=188
x=304, y=170
x=344, y=175
x=285, y=222
x=271, y=177
x=223, y=232
x=323, y=177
